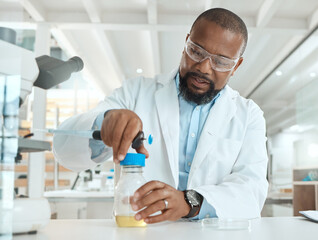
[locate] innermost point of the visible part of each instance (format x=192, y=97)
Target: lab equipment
x=9, y=109
x=16, y=61
x=44, y=71
x=217, y=62
x=95, y=134
x=131, y=178
x=54, y=71
x=19, y=68
x=30, y=214
x=226, y=224
x=8, y=35
x=109, y=184
x=312, y=176
x=84, y=177
x=311, y=215
x=107, y=181
x=138, y=140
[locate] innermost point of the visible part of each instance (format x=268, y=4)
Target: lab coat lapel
x=220, y=115
x=168, y=112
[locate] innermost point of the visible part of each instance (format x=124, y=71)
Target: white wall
x=306, y=151
x=288, y=150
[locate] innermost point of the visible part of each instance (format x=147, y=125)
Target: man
x=209, y=157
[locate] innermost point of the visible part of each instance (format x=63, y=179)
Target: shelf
x=306, y=168
x=48, y=182
x=305, y=193
x=305, y=182
x=48, y=168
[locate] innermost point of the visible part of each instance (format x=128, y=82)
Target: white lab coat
x=230, y=162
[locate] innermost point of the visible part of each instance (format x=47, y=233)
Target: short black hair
x=227, y=20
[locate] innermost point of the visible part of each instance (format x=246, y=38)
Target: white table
x=68, y=195
x=90, y=204
x=280, y=228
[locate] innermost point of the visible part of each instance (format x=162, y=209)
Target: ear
x=188, y=35
x=237, y=65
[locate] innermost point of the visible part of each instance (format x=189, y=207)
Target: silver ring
x=166, y=204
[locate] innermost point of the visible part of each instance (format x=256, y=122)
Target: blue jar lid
x=134, y=159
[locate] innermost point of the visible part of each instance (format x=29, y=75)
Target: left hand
x=151, y=196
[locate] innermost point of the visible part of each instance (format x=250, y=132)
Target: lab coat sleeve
x=74, y=152
x=206, y=211
x=242, y=193
x=97, y=147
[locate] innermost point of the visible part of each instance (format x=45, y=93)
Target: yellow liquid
x=129, y=221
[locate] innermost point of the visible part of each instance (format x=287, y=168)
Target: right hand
x=119, y=128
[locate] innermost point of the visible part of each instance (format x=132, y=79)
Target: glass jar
x=131, y=178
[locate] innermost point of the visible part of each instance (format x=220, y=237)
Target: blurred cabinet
x=305, y=193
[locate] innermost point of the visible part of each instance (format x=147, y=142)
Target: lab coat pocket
x=222, y=158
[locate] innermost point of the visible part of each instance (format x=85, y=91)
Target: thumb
x=142, y=150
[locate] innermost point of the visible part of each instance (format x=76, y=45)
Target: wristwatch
x=194, y=200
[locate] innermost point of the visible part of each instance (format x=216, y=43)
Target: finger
x=151, y=198
x=153, y=208
x=143, y=150
x=109, y=123
x=146, y=188
x=106, y=135
x=131, y=130
x=159, y=218
x=118, y=131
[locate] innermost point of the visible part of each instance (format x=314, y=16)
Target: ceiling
x=117, y=37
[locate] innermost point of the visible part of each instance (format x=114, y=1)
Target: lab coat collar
x=167, y=105
x=168, y=111
x=165, y=79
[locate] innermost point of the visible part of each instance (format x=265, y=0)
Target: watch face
x=193, y=198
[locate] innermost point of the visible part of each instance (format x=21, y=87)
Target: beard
x=198, y=98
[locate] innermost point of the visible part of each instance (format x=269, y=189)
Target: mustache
x=198, y=75
x=198, y=98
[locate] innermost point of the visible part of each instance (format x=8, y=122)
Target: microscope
x=20, y=70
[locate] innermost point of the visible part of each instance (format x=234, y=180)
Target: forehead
x=216, y=39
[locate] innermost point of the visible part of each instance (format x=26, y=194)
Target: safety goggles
x=218, y=63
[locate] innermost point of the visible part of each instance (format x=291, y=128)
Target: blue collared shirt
x=192, y=120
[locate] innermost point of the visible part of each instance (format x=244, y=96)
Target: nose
x=204, y=66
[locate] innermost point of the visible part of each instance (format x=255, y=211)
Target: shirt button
x=189, y=164
x=207, y=216
x=197, y=108
x=192, y=134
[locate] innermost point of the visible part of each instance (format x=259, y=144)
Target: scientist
x=209, y=155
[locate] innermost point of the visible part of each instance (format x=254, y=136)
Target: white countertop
x=279, y=228
x=68, y=195
x=78, y=194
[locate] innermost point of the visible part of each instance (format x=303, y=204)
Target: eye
x=221, y=61
x=196, y=52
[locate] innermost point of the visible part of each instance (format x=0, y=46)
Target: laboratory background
x=123, y=39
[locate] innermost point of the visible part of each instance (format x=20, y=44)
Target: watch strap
x=193, y=208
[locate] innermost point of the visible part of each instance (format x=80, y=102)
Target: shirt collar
x=206, y=106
